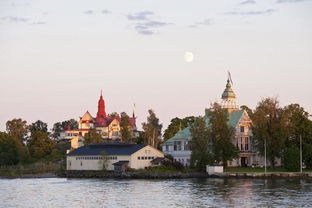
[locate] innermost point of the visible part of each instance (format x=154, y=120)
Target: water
x=60, y=192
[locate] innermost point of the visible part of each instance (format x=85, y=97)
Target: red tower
x=101, y=108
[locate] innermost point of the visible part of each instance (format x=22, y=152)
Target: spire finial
x=101, y=92
x=229, y=78
x=133, y=115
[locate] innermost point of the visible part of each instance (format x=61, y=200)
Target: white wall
x=149, y=152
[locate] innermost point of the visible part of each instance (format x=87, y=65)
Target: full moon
x=188, y=57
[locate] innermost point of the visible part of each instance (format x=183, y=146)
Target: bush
x=292, y=159
x=307, y=155
x=173, y=164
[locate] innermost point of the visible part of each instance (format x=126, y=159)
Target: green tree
x=92, y=137
x=270, y=124
x=38, y=126
x=103, y=162
x=307, y=155
x=17, y=129
x=299, y=125
x=125, y=127
x=221, y=135
x=62, y=126
x=291, y=159
x=40, y=145
x=152, y=130
x=201, y=153
x=176, y=125
x=247, y=109
x=8, y=150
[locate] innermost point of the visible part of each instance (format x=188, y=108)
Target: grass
x=25, y=169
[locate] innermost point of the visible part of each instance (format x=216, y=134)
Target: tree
x=270, y=125
x=221, y=135
x=40, y=145
x=62, y=126
x=299, y=125
x=92, y=137
x=17, y=129
x=152, y=129
x=176, y=125
x=201, y=153
x=8, y=150
x=103, y=162
x=291, y=159
x=307, y=155
x=247, y=109
x=38, y=126
x=125, y=126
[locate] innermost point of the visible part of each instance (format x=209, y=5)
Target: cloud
x=248, y=2
x=267, y=11
x=140, y=15
x=144, y=23
x=148, y=27
x=289, y=1
x=89, y=12
x=205, y=22
x=105, y=11
x=15, y=19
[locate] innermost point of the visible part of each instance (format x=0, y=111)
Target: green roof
x=234, y=118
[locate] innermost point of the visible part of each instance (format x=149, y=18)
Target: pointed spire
x=133, y=115
x=228, y=95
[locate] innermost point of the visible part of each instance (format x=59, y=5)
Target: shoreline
x=161, y=175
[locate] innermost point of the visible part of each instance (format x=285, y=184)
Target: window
x=246, y=143
x=147, y=151
x=145, y=158
x=242, y=129
x=149, y=158
x=167, y=147
x=177, y=145
x=187, y=145
x=139, y=158
x=81, y=163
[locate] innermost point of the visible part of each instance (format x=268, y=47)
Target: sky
x=56, y=56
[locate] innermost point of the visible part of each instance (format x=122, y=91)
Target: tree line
x=23, y=143
x=280, y=128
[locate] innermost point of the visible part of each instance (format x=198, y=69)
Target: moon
x=188, y=57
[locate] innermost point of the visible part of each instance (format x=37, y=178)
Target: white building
x=95, y=156
x=179, y=145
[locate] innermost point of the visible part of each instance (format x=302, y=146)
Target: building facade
x=106, y=125
x=179, y=145
x=107, y=155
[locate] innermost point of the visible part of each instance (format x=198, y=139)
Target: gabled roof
x=87, y=117
x=234, y=118
x=107, y=148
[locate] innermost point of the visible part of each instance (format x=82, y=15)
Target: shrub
x=292, y=159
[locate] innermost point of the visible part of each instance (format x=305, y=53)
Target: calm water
x=59, y=192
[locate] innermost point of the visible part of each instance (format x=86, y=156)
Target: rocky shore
x=174, y=175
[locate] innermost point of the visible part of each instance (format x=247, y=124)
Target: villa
x=179, y=146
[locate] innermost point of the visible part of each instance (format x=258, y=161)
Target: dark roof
x=107, y=148
x=121, y=162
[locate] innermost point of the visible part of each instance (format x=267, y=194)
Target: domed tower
x=229, y=97
x=101, y=108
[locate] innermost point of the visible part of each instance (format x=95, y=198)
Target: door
x=243, y=162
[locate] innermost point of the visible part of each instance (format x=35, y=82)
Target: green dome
x=228, y=92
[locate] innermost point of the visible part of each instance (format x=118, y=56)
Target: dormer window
x=242, y=129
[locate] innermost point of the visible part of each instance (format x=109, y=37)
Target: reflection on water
x=59, y=192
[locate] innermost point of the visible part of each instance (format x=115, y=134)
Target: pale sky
x=56, y=56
